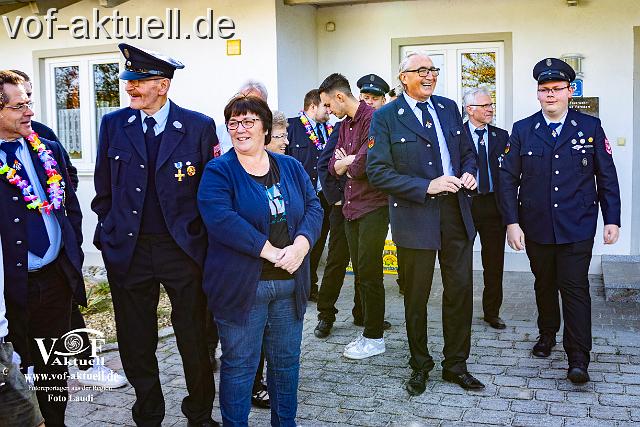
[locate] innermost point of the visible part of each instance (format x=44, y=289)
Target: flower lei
x=55, y=182
x=311, y=133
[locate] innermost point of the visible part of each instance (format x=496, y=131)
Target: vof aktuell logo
x=74, y=344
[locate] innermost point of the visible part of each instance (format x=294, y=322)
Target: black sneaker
x=323, y=329
x=417, y=382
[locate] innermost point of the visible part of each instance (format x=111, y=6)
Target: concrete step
x=621, y=275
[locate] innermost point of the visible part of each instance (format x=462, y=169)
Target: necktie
x=321, y=140
x=483, y=167
x=149, y=133
x=553, y=127
x=37, y=235
x=429, y=126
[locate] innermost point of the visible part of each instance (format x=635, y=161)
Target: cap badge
x=132, y=119
x=372, y=77
x=549, y=62
x=126, y=53
x=177, y=125
x=401, y=111
x=128, y=63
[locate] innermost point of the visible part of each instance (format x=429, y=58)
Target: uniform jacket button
x=138, y=189
x=141, y=166
x=134, y=212
x=15, y=199
x=557, y=172
x=16, y=220
x=395, y=205
x=430, y=163
x=19, y=242
x=402, y=139
x=428, y=145
x=19, y=264
x=556, y=156
x=555, y=205
x=130, y=234
x=530, y=153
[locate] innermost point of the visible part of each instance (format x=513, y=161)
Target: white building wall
x=599, y=30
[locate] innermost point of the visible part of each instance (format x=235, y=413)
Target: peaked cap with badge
x=374, y=84
x=553, y=69
x=144, y=64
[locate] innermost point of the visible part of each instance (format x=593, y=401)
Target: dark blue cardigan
x=236, y=213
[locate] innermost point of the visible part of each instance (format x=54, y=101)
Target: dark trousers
x=334, y=271
x=158, y=259
x=318, y=248
x=564, y=268
x=366, y=236
x=47, y=316
x=488, y=222
x=84, y=359
x=456, y=267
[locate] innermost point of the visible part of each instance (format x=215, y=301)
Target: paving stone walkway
x=520, y=390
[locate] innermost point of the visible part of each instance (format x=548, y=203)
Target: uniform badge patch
x=372, y=141
x=507, y=148
x=607, y=146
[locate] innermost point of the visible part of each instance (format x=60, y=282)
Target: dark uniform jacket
x=553, y=189
x=13, y=228
x=303, y=149
x=497, y=142
x=402, y=162
x=332, y=187
x=121, y=182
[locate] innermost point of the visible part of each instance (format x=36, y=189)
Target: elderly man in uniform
x=489, y=143
x=41, y=228
x=418, y=150
x=557, y=168
x=308, y=134
x=150, y=159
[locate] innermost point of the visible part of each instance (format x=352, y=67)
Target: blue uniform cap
x=553, y=69
x=373, y=84
x=143, y=64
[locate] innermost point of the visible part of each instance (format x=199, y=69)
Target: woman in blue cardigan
x=262, y=216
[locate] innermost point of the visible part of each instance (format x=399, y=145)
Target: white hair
x=470, y=95
x=254, y=85
x=405, y=61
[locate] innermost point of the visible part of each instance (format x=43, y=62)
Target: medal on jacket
x=179, y=175
x=191, y=170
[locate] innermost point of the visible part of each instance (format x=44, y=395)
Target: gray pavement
x=520, y=390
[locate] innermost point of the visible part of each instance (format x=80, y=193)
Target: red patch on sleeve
x=217, y=151
x=607, y=146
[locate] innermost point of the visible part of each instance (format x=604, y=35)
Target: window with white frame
x=79, y=91
x=467, y=65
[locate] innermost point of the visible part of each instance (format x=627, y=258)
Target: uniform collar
x=159, y=116
x=472, y=128
x=561, y=121
x=413, y=102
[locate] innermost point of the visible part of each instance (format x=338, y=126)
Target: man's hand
x=515, y=237
x=469, y=181
x=444, y=183
x=611, y=234
x=290, y=257
x=342, y=161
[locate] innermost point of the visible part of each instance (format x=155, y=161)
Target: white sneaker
x=364, y=347
x=353, y=343
x=101, y=376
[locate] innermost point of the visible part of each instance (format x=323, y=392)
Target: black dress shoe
x=464, y=380
x=544, y=345
x=417, y=382
x=495, y=322
x=323, y=329
x=578, y=374
x=210, y=422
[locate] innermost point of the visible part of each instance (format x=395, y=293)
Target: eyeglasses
x=136, y=83
x=424, y=71
x=551, y=90
x=21, y=107
x=283, y=136
x=491, y=106
x=246, y=123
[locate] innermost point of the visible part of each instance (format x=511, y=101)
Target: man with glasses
x=420, y=155
x=41, y=228
x=308, y=133
x=489, y=143
x=549, y=197
x=150, y=159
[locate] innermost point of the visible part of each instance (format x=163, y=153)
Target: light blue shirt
x=485, y=138
x=50, y=221
x=159, y=116
x=4, y=323
x=447, y=167
x=561, y=121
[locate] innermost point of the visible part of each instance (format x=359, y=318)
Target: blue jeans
x=273, y=324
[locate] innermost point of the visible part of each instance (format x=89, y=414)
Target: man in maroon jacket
x=365, y=210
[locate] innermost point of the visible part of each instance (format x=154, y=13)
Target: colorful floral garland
x=312, y=133
x=55, y=182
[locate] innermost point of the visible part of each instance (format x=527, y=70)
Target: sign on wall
x=589, y=105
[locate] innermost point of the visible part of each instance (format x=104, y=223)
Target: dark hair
x=22, y=74
x=335, y=81
x=241, y=104
x=311, y=98
x=11, y=78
